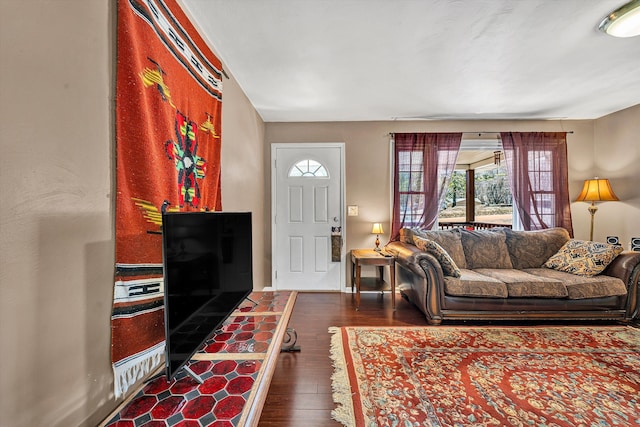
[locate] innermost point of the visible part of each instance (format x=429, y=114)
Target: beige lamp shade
x=377, y=228
x=597, y=190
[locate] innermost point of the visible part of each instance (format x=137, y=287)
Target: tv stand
x=186, y=369
x=193, y=375
x=228, y=379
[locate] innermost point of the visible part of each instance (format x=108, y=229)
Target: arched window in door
x=308, y=169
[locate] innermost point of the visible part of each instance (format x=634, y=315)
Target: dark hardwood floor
x=300, y=391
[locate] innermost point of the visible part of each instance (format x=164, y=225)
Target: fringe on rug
x=126, y=372
x=342, y=395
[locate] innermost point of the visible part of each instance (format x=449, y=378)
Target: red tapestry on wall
x=168, y=139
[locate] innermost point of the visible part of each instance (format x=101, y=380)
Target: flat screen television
x=208, y=272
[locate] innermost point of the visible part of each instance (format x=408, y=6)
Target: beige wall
x=56, y=207
x=368, y=154
x=617, y=157
x=607, y=147
x=56, y=248
x=243, y=152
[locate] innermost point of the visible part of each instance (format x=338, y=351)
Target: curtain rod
x=484, y=131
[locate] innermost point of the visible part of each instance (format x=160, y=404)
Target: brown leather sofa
x=502, y=276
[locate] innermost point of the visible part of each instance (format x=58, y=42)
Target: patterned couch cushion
x=583, y=257
x=531, y=249
x=485, y=249
x=581, y=287
x=521, y=284
x=472, y=284
x=450, y=240
x=449, y=267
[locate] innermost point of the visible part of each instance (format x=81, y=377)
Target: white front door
x=307, y=212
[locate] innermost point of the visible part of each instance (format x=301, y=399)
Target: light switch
x=352, y=210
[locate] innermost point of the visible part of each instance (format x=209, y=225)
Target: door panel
x=307, y=202
x=321, y=204
x=295, y=204
x=322, y=263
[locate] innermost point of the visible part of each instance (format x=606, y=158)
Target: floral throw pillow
x=583, y=258
x=449, y=268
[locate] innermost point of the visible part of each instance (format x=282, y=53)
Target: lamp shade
x=377, y=228
x=597, y=190
x=624, y=21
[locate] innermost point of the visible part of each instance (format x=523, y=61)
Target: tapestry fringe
x=128, y=371
x=342, y=394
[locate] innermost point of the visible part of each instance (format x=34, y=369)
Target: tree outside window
x=492, y=197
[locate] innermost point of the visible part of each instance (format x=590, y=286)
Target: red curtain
x=423, y=164
x=538, y=175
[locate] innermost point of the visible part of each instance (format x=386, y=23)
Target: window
x=308, y=168
x=411, y=187
x=492, y=200
x=541, y=177
x=537, y=167
x=478, y=194
x=529, y=186
x=422, y=164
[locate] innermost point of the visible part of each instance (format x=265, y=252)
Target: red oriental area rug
x=500, y=376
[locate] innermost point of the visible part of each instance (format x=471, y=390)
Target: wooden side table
x=360, y=257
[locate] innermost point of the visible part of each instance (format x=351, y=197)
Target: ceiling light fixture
x=624, y=21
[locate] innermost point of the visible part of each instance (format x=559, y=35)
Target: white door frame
x=343, y=208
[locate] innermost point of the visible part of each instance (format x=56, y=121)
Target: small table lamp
x=377, y=230
x=596, y=190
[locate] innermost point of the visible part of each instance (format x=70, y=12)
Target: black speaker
x=635, y=244
x=613, y=240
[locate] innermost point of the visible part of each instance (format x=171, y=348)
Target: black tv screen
x=207, y=263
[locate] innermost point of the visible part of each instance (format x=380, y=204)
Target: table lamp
x=596, y=190
x=377, y=230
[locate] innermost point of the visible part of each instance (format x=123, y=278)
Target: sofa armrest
x=419, y=276
x=411, y=257
x=623, y=265
x=626, y=267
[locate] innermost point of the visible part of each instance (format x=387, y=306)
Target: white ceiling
x=339, y=60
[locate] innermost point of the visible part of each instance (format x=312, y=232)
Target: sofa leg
x=434, y=322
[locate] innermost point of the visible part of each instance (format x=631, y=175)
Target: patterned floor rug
x=498, y=376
